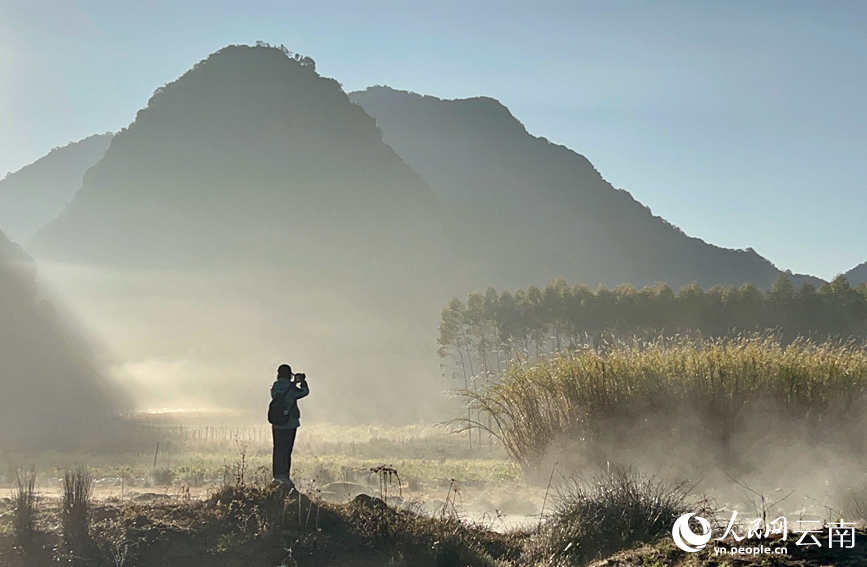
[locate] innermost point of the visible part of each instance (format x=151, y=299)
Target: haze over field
x=252, y=212
x=499, y=330
x=54, y=391
x=35, y=195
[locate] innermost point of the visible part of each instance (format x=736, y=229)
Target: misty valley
x=478, y=351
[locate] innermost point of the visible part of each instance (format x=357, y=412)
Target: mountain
x=857, y=275
x=252, y=157
x=541, y=210
x=35, y=195
x=252, y=214
x=51, y=391
x=251, y=205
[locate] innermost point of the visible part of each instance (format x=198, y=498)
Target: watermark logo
x=839, y=535
x=688, y=540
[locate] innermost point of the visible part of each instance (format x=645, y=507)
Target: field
x=212, y=450
x=566, y=461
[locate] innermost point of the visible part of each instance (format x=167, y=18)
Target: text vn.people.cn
x=761, y=537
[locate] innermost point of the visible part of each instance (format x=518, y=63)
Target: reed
x=578, y=394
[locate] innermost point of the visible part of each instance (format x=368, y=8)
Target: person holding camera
x=285, y=419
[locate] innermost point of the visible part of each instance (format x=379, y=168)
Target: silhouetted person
x=285, y=393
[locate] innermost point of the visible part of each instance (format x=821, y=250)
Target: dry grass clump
x=611, y=512
x=24, y=517
x=424, y=540
x=367, y=523
x=75, y=507
x=579, y=395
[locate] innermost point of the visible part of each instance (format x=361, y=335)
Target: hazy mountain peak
x=544, y=202
x=36, y=194
x=253, y=176
x=51, y=391
x=249, y=152
x=479, y=115
x=858, y=274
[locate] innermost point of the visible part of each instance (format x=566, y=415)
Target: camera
x=300, y=377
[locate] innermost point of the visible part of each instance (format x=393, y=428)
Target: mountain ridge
x=37, y=193
x=858, y=274
x=206, y=150
x=460, y=148
x=52, y=393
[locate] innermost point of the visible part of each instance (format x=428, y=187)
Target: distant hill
x=857, y=275
x=252, y=214
x=35, y=195
x=541, y=210
x=51, y=391
x=261, y=181
x=252, y=157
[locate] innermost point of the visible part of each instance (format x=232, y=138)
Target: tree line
x=484, y=333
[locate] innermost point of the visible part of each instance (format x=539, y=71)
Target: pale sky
x=742, y=122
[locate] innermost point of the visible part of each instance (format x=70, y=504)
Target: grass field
x=549, y=484
x=435, y=468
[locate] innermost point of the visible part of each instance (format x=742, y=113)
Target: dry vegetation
x=619, y=513
x=204, y=498
x=716, y=386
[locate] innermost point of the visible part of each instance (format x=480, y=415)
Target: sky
x=741, y=122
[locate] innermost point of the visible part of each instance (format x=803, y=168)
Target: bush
x=75, y=507
x=163, y=477
x=613, y=511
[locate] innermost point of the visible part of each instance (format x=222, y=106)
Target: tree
x=491, y=324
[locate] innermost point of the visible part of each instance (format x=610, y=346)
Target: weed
x=75, y=507
x=239, y=467
x=25, y=504
x=164, y=477
x=386, y=475
x=611, y=512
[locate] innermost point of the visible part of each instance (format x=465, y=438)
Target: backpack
x=278, y=412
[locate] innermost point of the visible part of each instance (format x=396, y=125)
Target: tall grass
x=75, y=507
x=610, y=512
x=717, y=382
x=25, y=504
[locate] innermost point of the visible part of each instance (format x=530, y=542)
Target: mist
x=199, y=339
x=254, y=214
x=54, y=390
x=771, y=463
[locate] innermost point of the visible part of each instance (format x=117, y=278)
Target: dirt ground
x=265, y=527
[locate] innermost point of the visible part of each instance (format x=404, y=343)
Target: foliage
x=614, y=510
x=75, y=507
x=487, y=331
x=717, y=383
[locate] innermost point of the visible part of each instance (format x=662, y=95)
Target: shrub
x=163, y=477
x=75, y=507
x=611, y=512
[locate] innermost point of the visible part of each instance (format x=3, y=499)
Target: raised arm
x=302, y=391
